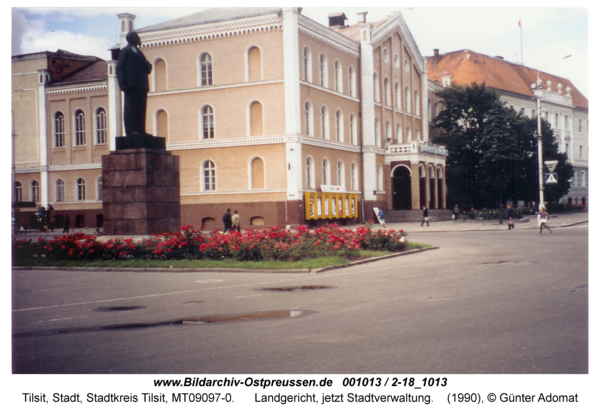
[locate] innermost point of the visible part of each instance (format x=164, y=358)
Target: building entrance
x=401, y=188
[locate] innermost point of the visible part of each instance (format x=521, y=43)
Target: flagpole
x=521, y=29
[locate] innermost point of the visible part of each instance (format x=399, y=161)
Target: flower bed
x=251, y=245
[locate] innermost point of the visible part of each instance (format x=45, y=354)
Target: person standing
x=235, y=221
x=67, y=222
x=425, y=216
x=456, y=212
x=544, y=217
x=381, y=217
x=509, y=217
x=227, y=221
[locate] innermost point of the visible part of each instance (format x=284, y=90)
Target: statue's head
x=133, y=39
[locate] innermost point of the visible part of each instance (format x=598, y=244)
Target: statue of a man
x=132, y=73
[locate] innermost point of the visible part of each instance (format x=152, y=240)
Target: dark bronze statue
x=132, y=73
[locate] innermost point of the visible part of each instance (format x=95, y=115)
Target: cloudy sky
x=547, y=33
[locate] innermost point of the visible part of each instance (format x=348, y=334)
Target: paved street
x=484, y=302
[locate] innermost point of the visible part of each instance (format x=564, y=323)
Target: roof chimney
x=436, y=55
x=337, y=20
x=362, y=17
x=499, y=57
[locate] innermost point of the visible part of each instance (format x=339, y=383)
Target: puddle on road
x=296, y=288
x=122, y=308
x=573, y=290
x=262, y=315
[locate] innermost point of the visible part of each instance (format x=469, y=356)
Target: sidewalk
x=561, y=220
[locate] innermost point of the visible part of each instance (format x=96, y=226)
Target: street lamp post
x=538, y=91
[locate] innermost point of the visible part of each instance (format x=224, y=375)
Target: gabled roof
x=353, y=32
x=94, y=72
x=466, y=67
x=214, y=15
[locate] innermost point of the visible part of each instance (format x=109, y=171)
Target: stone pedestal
x=140, y=192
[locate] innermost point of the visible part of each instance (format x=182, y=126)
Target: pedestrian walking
x=235, y=221
x=425, y=216
x=381, y=217
x=456, y=212
x=500, y=214
x=67, y=222
x=544, y=217
x=227, y=221
x=509, y=217
x=52, y=223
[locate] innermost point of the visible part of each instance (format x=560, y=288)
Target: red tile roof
x=466, y=67
x=95, y=71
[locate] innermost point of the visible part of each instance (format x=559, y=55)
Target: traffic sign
x=551, y=178
x=551, y=165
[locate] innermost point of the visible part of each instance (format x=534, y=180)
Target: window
x=352, y=130
x=386, y=55
x=398, y=96
x=580, y=125
x=556, y=121
x=582, y=178
x=206, y=70
x=388, y=131
x=436, y=109
x=99, y=188
x=375, y=87
x=307, y=119
x=162, y=124
x=59, y=130
x=386, y=88
x=208, y=125
x=522, y=112
x=160, y=75
x=309, y=172
x=429, y=107
x=256, y=119
x=398, y=133
x=396, y=61
x=407, y=99
x=339, y=133
x=325, y=167
x=340, y=173
x=18, y=192
x=406, y=65
x=101, y=132
x=80, y=189
x=254, y=64
x=209, y=174
x=417, y=106
x=306, y=64
x=379, y=178
x=60, y=190
x=407, y=134
x=567, y=150
x=351, y=87
x=417, y=134
x=337, y=72
x=581, y=152
x=353, y=176
x=35, y=191
x=532, y=113
x=566, y=122
x=322, y=71
x=324, y=123
x=79, y=128
x=376, y=135
x=257, y=169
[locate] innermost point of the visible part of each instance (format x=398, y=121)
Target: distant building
x=275, y=115
x=563, y=106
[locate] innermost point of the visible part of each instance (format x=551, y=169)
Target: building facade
x=272, y=114
x=562, y=105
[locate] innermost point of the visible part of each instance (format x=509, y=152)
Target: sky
x=546, y=34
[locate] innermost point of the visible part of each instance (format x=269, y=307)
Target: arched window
x=208, y=124
x=353, y=177
x=351, y=85
x=417, y=134
x=99, y=188
x=325, y=169
x=60, y=190
x=254, y=64
x=340, y=173
x=306, y=75
x=398, y=96
x=160, y=75
x=256, y=119
x=101, y=130
x=257, y=170
x=206, y=70
x=352, y=129
x=377, y=132
x=322, y=70
x=80, y=189
x=209, y=175
x=436, y=109
x=35, y=191
x=407, y=134
x=407, y=99
x=324, y=122
x=337, y=76
x=18, y=192
x=309, y=172
x=59, y=130
x=388, y=131
x=79, y=128
x=162, y=124
x=388, y=96
x=379, y=178
x=375, y=87
x=307, y=118
x=339, y=126
x=417, y=108
x=398, y=133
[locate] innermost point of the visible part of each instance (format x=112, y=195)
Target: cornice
x=329, y=144
x=76, y=88
x=326, y=36
x=212, y=31
x=330, y=91
x=57, y=168
x=388, y=27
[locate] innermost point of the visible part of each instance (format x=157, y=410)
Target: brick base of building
x=140, y=192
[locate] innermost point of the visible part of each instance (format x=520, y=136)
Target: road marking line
x=59, y=319
x=209, y=281
x=246, y=296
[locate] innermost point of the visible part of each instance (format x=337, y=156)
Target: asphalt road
x=485, y=302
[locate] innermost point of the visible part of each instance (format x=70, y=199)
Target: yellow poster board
x=324, y=205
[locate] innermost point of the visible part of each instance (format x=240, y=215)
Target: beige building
x=272, y=114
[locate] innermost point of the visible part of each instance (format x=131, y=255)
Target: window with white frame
x=353, y=176
x=306, y=70
x=325, y=170
x=388, y=131
x=339, y=128
x=352, y=130
x=386, y=88
x=209, y=175
x=580, y=152
x=398, y=96
x=208, y=125
x=322, y=70
x=379, y=178
x=407, y=134
x=580, y=125
x=375, y=87
x=417, y=106
x=307, y=118
x=337, y=76
x=309, y=172
x=582, y=174
x=80, y=184
x=99, y=188
x=377, y=132
x=407, y=99
x=351, y=86
x=79, y=128
x=18, y=192
x=340, y=173
x=206, y=70
x=35, y=191
x=60, y=190
x=59, y=130
x=417, y=134
x=324, y=123
x=398, y=133
x=101, y=129
x=556, y=121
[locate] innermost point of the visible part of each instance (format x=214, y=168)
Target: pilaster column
x=368, y=112
x=43, y=79
x=114, y=105
x=425, y=109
